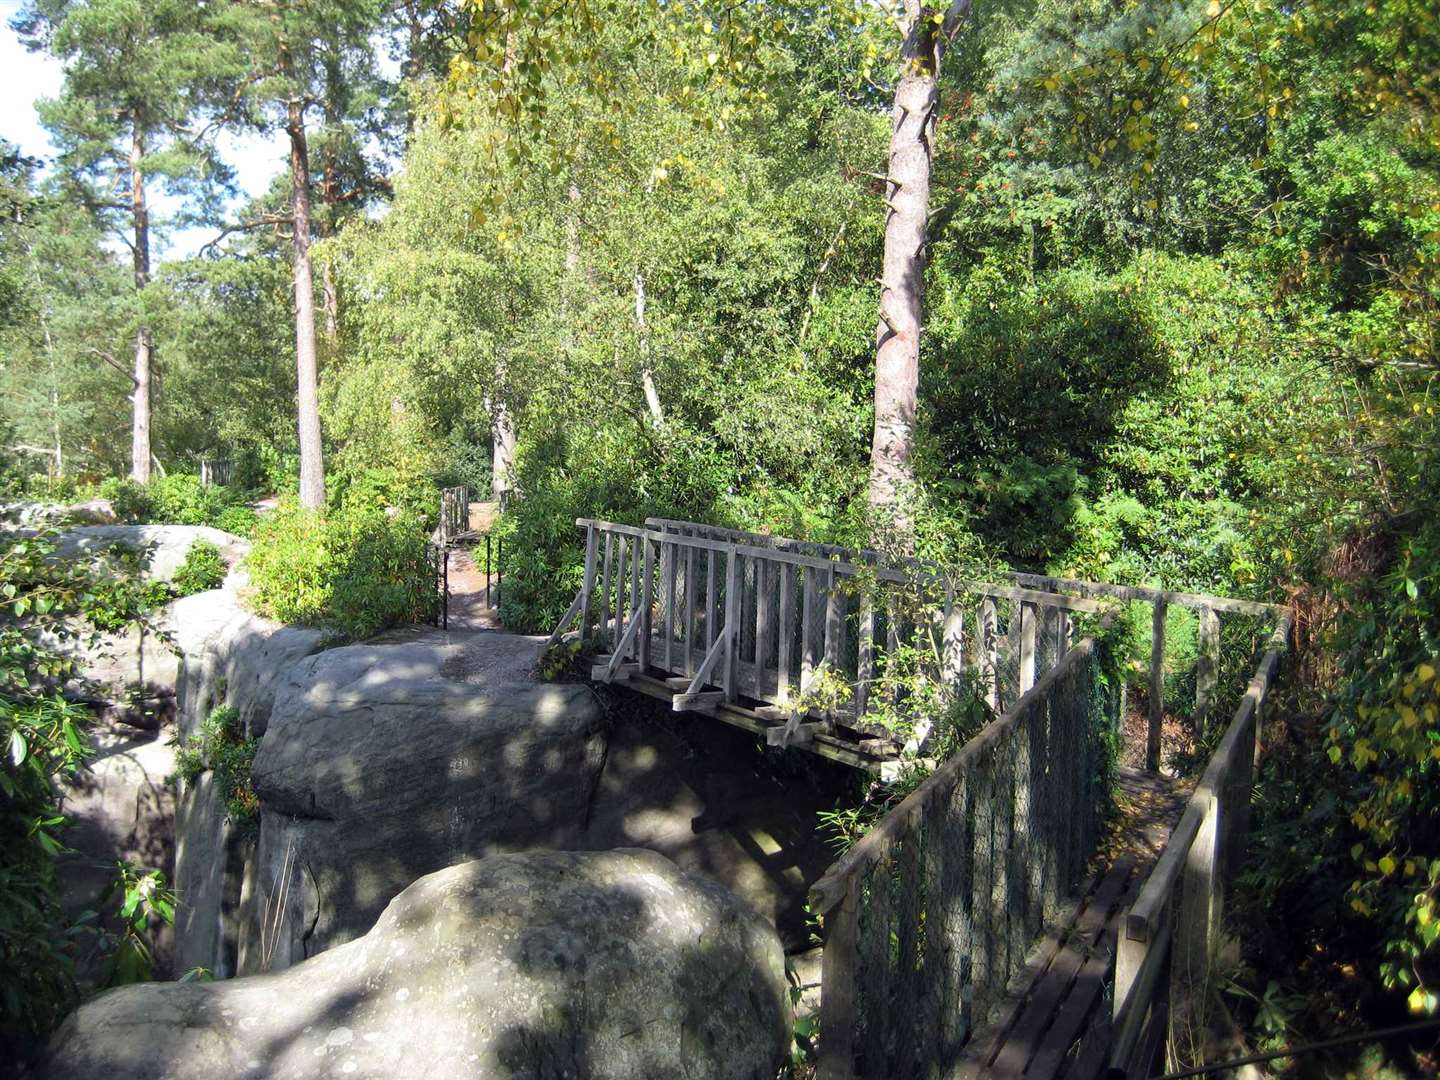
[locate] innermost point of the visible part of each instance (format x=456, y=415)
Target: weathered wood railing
x=929, y=916
x=726, y=618
x=218, y=471
x=454, y=514
x=1170, y=934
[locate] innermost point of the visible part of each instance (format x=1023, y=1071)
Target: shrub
x=356, y=569
x=221, y=747
x=204, y=568
x=180, y=499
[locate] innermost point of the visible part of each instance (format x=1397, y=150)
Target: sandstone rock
x=167, y=544
x=609, y=965
x=33, y=515
x=384, y=762
x=120, y=807
x=239, y=660
x=212, y=857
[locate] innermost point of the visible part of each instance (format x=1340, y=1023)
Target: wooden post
x=733, y=578
x=587, y=584
x=952, y=642
x=988, y=652
x=807, y=617
x=635, y=560
x=865, y=666
x=762, y=624
x=712, y=627
x=834, y=624
x=1199, y=906
x=787, y=637
x=668, y=570
x=606, y=567
x=1157, y=686
x=689, y=611
x=647, y=608
x=1029, y=616
x=1207, y=665
x=839, y=1013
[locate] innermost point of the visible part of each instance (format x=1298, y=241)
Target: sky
x=26, y=77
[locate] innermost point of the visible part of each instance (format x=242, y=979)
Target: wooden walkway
x=992, y=923
x=1056, y=1020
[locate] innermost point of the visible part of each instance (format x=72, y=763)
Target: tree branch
x=246, y=226
x=109, y=358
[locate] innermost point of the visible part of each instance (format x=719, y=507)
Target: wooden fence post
x=839, y=1013
x=1029, y=616
x=587, y=585
x=733, y=579
x=952, y=645
x=1207, y=665
x=647, y=608
x=1157, y=686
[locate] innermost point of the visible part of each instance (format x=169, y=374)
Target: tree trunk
x=647, y=377
x=330, y=196
x=902, y=283
x=502, y=458
x=140, y=452
x=312, y=462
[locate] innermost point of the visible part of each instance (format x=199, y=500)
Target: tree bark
x=140, y=452
x=902, y=283
x=312, y=461
x=502, y=458
x=330, y=196
x=647, y=376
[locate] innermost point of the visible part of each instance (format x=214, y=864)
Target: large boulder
x=606, y=965
x=385, y=762
x=120, y=806
x=232, y=657
x=166, y=545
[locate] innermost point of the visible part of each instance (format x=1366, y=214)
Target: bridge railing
x=929, y=916
x=734, y=619
x=1170, y=934
x=454, y=514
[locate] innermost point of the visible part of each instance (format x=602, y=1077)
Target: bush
x=221, y=747
x=203, y=569
x=180, y=499
x=355, y=569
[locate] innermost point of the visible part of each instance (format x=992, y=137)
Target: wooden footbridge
x=973, y=931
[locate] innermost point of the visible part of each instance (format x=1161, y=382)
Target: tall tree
x=303, y=57
x=902, y=281
x=137, y=78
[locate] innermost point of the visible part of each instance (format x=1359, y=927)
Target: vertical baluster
x=807, y=619
x=839, y=973
x=865, y=664
x=647, y=609
x=1029, y=616
x=607, y=566
x=834, y=623
x=587, y=583
x=989, y=653
x=787, y=617
x=1207, y=665
x=689, y=611
x=712, y=626
x=1157, y=686
x=762, y=625
x=635, y=562
x=733, y=579
x=669, y=556
x=953, y=640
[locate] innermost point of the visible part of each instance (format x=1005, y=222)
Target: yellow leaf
x=1387, y=865
x=1184, y=101
x=1214, y=8
x=1426, y=672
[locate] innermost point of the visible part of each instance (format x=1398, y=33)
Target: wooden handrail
x=832, y=886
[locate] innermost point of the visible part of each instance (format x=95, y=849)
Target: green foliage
x=221, y=747
x=355, y=569
x=44, y=742
x=179, y=499
x=204, y=568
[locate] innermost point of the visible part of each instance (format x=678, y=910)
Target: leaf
x=18, y=748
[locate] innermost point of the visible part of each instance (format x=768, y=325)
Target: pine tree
x=139, y=78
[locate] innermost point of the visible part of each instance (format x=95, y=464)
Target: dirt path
x=468, y=607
